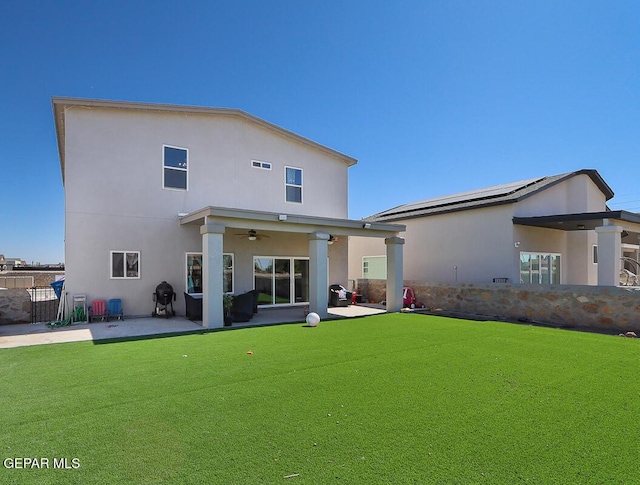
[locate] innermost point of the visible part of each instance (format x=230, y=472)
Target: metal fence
x=44, y=304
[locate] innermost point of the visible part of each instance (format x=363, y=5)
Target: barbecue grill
x=164, y=297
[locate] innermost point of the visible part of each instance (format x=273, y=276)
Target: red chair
x=98, y=311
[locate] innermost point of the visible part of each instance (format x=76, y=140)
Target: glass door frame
x=292, y=280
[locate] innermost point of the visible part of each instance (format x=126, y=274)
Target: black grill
x=164, y=297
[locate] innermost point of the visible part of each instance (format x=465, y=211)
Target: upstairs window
x=175, y=168
x=293, y=184
x=262, y=165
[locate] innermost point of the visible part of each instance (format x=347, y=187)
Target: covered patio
x=615, y=230
x=320, y=232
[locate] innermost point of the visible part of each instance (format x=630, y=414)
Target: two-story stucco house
x=548, y=230
x=210, y=200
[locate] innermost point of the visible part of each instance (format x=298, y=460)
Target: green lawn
x=401, y=398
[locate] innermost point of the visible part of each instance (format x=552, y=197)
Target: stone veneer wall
x=613, y=309
x=15, y=306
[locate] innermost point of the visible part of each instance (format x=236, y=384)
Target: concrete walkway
x=24, y=334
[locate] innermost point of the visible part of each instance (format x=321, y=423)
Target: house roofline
x=60, y=104
x=592, y=173
x=480, y=202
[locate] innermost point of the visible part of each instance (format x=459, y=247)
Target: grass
x=397, y=399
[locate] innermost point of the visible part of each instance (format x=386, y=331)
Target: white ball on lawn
x=313, y=319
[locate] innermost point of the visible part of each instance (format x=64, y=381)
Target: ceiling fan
x=252, y=235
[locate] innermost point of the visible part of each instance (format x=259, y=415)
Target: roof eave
x=293, y=222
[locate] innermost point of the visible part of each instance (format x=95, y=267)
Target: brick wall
x=611, y=309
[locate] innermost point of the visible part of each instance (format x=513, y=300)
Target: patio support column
x=212, y=275
x=318, y=273
x=394, y=273
x=609, y=254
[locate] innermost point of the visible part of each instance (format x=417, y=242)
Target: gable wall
x=116, y=153
x=575, y=195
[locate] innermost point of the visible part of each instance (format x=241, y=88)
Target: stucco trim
x=258, y=220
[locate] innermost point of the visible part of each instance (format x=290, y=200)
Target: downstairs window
x=540, y=268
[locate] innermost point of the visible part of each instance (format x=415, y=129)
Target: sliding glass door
x=281, y=281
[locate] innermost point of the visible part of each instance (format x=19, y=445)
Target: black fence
x=44, y=304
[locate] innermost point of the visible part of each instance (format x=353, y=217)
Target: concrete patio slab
x=25, y=334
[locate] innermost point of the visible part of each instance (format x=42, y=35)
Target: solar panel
x=488, y=192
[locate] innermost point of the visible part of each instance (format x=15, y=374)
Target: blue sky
x=432, y=97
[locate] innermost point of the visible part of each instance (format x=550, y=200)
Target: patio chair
x=98, y=311
x=115, y=309
x=339, y=296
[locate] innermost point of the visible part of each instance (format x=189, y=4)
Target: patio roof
x=630, y=221
x=273, y=221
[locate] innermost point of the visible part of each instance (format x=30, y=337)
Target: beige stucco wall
x=115, y=201
x=461, y=246
x=360, y=247
x=114, y=165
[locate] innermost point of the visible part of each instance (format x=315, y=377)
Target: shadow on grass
x=204, y=331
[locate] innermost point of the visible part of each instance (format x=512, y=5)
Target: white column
x=212, y=275
x=318, y=269
x=609, y=254
x=394, y=273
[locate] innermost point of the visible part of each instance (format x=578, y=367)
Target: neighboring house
x=549, y=230
x=8, y=264
x=210, y=200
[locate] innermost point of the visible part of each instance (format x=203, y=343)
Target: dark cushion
x=255, y=294
x=242, y=308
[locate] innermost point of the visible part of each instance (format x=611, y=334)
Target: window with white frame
x=281, y=280
x=175, y=167
x=595, y=254
x=293, y=184
x=262, y=165
x=194, y=273
x=540, y=268
x=125, y=264
x=374, y=267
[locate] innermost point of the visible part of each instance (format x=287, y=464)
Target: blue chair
x=115, y=309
